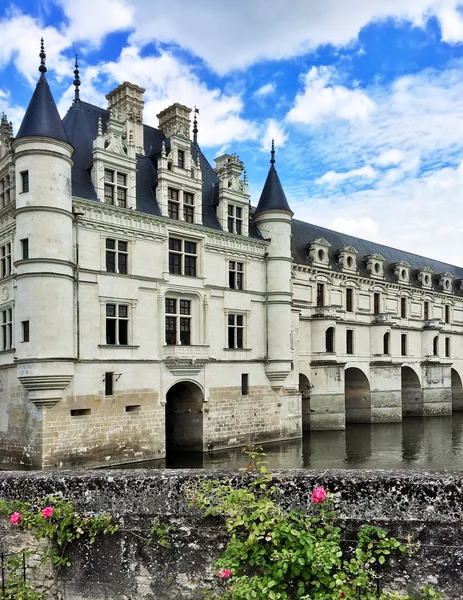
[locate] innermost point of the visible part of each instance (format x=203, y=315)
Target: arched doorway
x=412, y=394
x=304, y=388
x=184, y=418
x=357, y=395
x=457, y=392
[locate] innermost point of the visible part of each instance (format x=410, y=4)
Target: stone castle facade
x=145, y=307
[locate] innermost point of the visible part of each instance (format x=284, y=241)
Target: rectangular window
x=116, y=256
x=182, y=257
x=349, y=299
x=178, y=322
x=25, y=331
x=173, y=204
x=244, y=384
x=181, y=159
x=235, y=331
x=6, y=323
x=403, y=307
x=5, y=260
x=117, y=324
x=426, y=311
x=320, y=294
x=235, y=219
x=24, y=181
x=447, y=347
x=235, y=275
x=5, y=196
x=376, y=303
x=115, y=188
x=349, y=341
x=25, y=248
x=188, y=207
x=403, y=344
x=447, y=313
x=108, y=384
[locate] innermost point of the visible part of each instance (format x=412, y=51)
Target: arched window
x=386, y=341
x=329, y=339
x=435, y=346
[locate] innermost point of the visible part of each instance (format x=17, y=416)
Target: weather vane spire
x=42, y=68
x=76, y=84
x=195, y=126
x=272, y=153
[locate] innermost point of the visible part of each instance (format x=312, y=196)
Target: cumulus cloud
x=364, y=227
x=388, y=158
x=322, y=99
x=332, y=178
x=14, y=112
x=265, y=90
x=276, y=132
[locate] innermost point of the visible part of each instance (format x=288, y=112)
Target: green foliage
x=160, y=533
x=61, y=524
x=276, y=554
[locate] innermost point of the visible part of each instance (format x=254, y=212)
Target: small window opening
x=329, y=339
x=80, y=412
x=447, y=347
x=24, y=182
x=386, y=340
x=25, y=331
x=244, y=384
x=435, y=346
x=403, y=344
x=133, y=408
x=25, y=248
x=350, y=341
x=109, y=384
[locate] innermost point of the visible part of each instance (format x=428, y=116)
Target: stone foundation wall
x=427, y=506
x=96, y=429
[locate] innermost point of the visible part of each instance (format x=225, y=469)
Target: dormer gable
x=347, y=259
x=424, y=277
x=375, y=265
x=233, y=208
x=318, y=252
x=402, y=271
x=445, y=282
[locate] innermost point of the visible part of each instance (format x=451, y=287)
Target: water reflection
x=434, y=443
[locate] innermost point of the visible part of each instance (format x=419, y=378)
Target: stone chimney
x=126, y=101
x=175, y=119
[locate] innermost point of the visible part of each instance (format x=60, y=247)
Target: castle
x=145, y=307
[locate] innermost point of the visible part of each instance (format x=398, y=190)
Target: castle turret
x=273, y=219
x=44, y=307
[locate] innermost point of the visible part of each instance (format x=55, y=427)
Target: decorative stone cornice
x=45, y=390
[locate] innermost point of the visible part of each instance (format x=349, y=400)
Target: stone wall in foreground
x=428, y=506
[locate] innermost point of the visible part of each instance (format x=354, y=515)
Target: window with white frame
x=235, y=330
x=6, y=323
x=5, y=192
x=5, y=260
x=182, y=257
x=117, y=255
x=178, y=321
x=188, y=207
x=117, y=324
x=115, y=188
x=235, y=219
x=235, y=275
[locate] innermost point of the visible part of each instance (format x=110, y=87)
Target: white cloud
x=389, y=158
x=332, y=178
x=276, y=132
x=322, y=99
x=13, y=112
x=265, y=90
x=364, y=227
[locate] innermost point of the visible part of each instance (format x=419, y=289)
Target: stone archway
x=457, y=392
x=184, y=418
x=357, y=396
x=412, y=394
x=304, y=388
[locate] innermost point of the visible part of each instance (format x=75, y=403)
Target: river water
x=434, y=443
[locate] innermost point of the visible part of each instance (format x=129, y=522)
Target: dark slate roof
x=273, y=196
x=305, y=233
x=42, y=117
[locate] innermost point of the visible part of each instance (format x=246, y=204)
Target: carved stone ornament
x=347, y=258
x=402, y=271
x=445, y=282
x=425, y=277
x=375, y=265
x=318, y=252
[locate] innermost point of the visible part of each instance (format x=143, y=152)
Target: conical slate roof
x=42, y=117
x=273, y=196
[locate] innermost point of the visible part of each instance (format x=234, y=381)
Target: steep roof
x=273, y=196
x=42, y=117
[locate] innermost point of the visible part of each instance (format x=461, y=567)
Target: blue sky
x=364, y=99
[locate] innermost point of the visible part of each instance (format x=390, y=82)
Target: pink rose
x=318, y=495
x=47, y=512
x=224, y=573
x=15, y=518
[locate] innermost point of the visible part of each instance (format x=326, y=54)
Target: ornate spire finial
x=272, y=152
x=43, y=56
x=76, y=84
x=195, y=126
x=100, y=126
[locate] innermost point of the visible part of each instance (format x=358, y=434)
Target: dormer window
x=318, y=252
x=375, y=265
x=235, y=219
x=115, y=188
x=188, y=207
x=425, y=277
x=347, y=259
x=173, y=204
x=445, y=282
x=181, y=159
x=402, y=272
